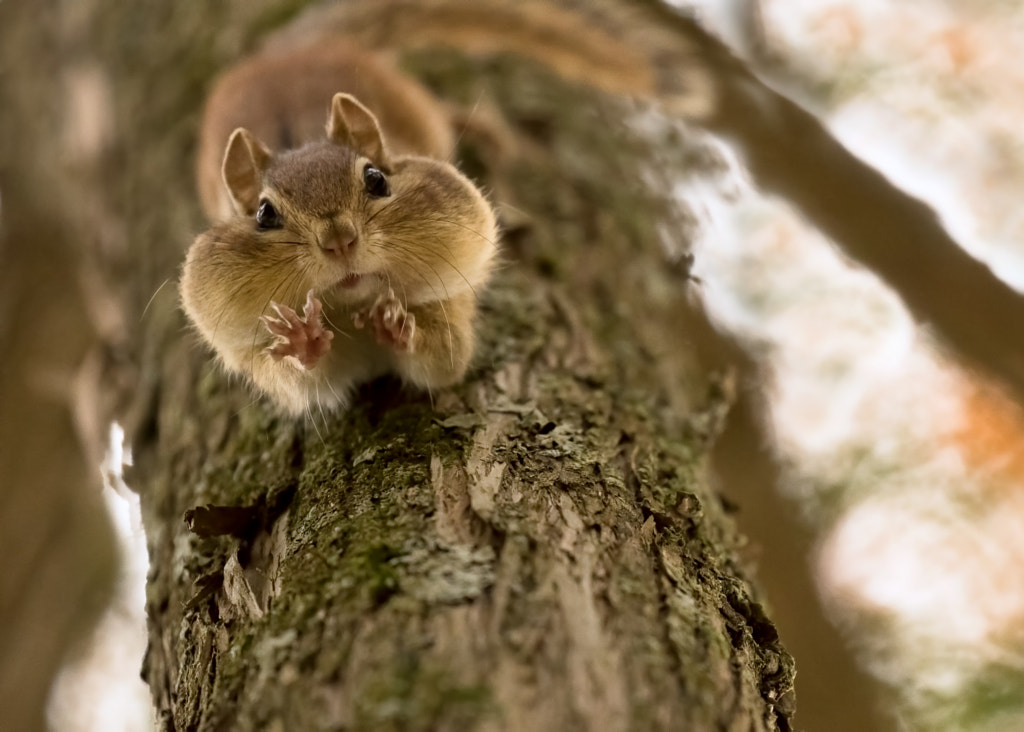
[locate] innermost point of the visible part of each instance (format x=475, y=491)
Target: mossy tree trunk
x=538, y=548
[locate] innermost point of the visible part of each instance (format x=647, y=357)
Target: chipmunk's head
x=346, y=219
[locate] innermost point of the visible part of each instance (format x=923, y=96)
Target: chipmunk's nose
x=340, y=239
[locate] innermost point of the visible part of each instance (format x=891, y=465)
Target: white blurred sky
x=102, y=690
x=926, y=534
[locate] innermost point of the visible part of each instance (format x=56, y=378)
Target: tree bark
x=538, y=548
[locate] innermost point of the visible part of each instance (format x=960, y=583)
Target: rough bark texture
x=539, y=548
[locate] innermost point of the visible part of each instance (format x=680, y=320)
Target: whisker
x=395, y=235
x=320, y=405
x=244, y=283
x=331, y=323
x=451, y=340
x=151, y=299
x=393, y=201
x=400, y=246
x=246, y=406
x=337, y=396
x=405, y=306
x=287, y=280
x=414, y=250
x=465, y=126
x=425, y=262
x=440, y=301
x=451, y=222
x=312, y=421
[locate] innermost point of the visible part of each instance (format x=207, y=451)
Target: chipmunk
x=344, y=258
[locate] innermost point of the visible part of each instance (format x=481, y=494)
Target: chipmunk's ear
x=244, y=161
x=353, y=125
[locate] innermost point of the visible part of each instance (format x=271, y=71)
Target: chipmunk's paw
x=302, y=337
x=392, y=324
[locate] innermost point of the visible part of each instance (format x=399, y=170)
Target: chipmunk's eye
x=376, y=183
x=267, y=216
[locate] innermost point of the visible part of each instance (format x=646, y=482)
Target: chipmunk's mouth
x=355, y=287
x=349, y=281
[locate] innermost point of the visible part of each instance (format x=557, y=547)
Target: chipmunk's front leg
x=298, y=368
x=303, y=338
x=391, y=323
x=432, y=343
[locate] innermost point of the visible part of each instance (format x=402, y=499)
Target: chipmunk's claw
x=392, y=324
x=301, y=337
